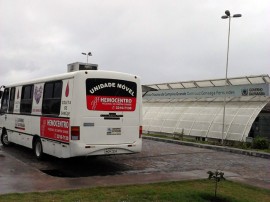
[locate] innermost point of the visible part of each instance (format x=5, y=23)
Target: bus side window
x=4, y=103
x=52, y=98
x=11, y=100
x=27, y=99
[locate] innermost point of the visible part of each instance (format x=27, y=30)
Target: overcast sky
x=159, y=40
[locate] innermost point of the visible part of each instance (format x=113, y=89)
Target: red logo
x=111, y=103
x=67, y=90
x=54, y=128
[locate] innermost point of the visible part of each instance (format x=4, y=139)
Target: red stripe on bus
x=111, y=103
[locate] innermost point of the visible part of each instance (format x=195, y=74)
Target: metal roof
x=257, y=79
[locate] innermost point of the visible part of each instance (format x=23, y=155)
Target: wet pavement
x=158, y=162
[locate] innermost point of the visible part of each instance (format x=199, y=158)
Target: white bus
x=80, y=113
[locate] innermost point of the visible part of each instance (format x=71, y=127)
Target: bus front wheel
x=38, y=150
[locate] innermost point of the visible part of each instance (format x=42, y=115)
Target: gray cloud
x=162, y=41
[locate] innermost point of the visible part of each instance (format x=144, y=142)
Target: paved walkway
x=213, y=147
x=158, y=162
x=17, y=177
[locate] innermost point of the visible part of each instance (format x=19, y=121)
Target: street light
x=87, y=54
x=228, y=15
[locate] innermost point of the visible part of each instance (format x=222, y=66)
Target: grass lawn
x=198, y=190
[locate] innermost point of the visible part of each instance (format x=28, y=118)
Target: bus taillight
x=140, y=132
x=75, y=133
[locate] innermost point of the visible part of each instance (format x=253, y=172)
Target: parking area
x=159, y=161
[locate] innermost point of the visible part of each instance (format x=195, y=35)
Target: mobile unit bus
x=80, y=113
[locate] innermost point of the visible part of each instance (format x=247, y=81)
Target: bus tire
x=4, y=139
x=38, y=149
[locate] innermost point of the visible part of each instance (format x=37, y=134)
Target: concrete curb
x=213, y=147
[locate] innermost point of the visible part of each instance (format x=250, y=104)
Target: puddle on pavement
x=72, y=174
x=56, y=173
x=80, y=167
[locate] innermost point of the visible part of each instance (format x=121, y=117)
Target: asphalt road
x=157, y=162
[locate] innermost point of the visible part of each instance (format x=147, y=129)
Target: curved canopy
x=258, y=79
x=204, y=118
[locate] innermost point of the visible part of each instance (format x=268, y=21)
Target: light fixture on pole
x=228, y=15
x=87, y=54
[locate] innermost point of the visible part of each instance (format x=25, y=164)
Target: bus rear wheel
x=38, y=150
x=4, y=139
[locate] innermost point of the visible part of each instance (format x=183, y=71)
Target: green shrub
x=178, y=136
x=241, y=145
x=260, y=143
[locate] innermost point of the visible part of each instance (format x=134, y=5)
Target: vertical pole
x=226, y=81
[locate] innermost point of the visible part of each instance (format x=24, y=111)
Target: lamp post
x=87, y=54
x=228, y=15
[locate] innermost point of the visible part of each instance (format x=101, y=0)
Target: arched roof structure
x=196, y=107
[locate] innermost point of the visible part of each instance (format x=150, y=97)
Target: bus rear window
x=111, y=95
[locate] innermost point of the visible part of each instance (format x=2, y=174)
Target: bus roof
x=65, y=76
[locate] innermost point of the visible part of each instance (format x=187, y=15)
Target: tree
x=217, y=176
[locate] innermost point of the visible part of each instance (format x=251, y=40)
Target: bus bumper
x=79, y=149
